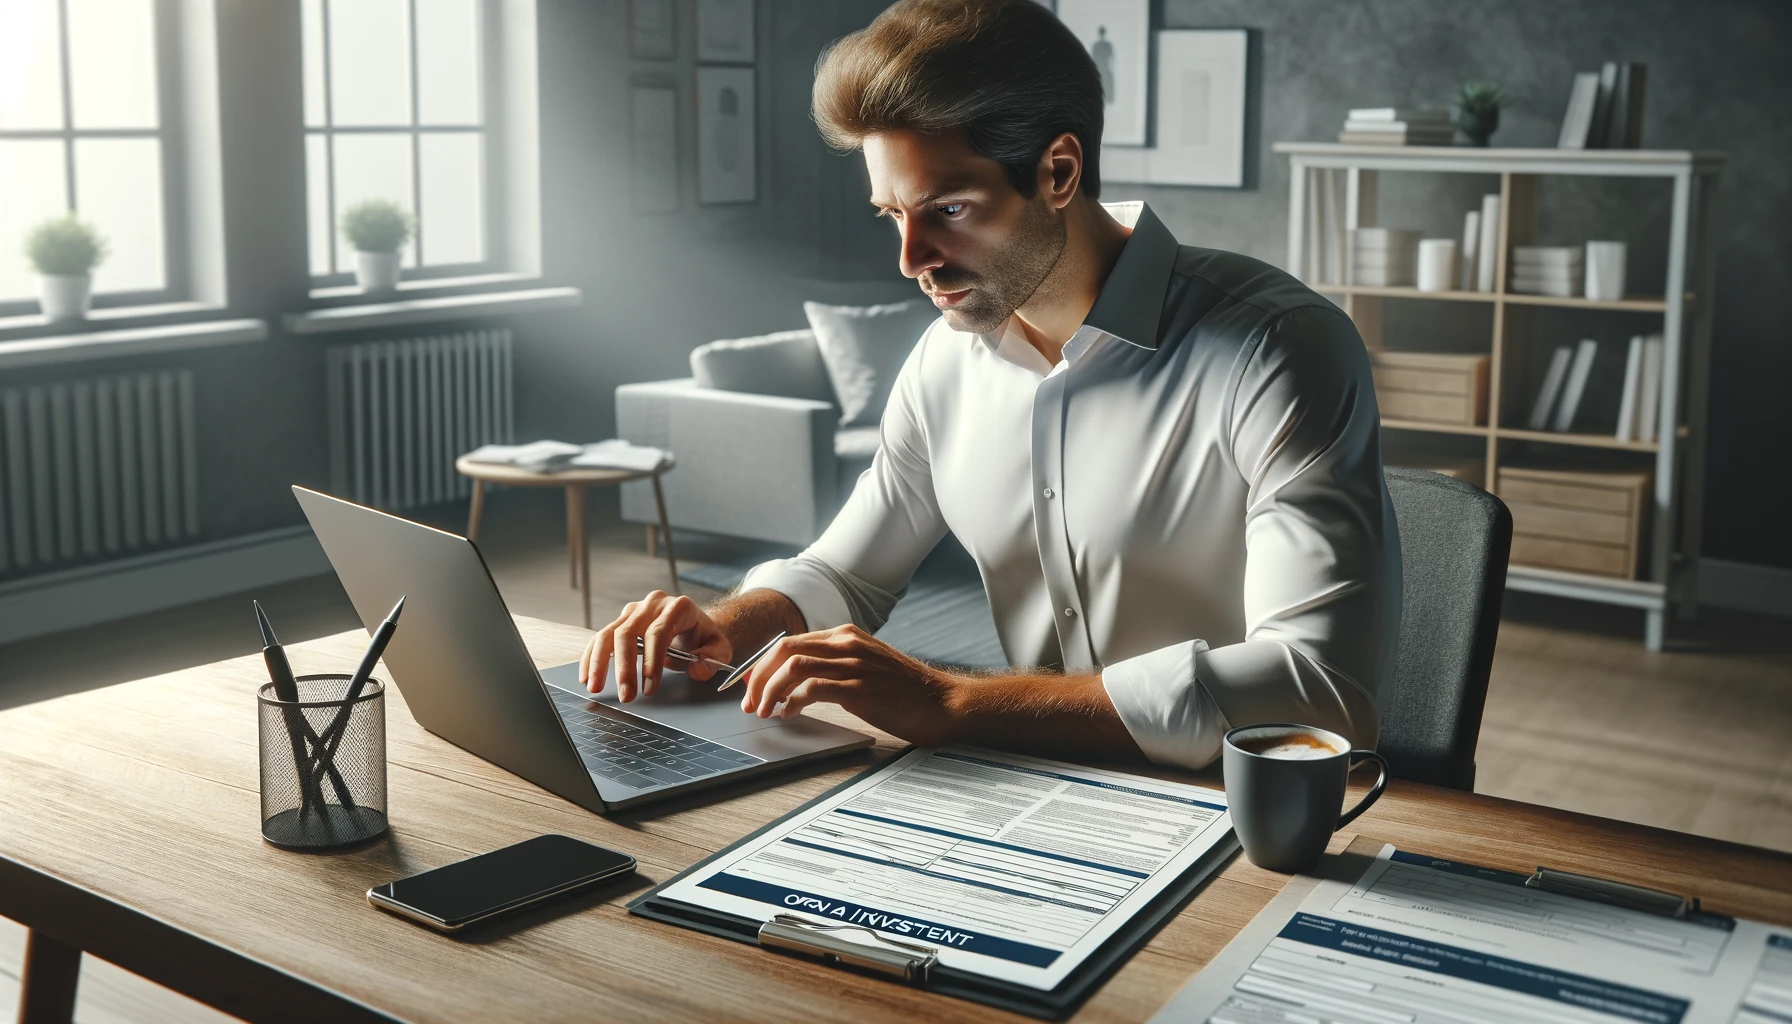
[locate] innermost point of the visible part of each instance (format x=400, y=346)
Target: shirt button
x=1070, y=613
x=1049, y=493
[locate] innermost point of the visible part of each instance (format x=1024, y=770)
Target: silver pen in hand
x=685, y=657
x=746, y=666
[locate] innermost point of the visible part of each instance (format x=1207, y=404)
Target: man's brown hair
x=1007, y=73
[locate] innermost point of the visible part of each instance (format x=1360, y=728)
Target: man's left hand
x=867, y=677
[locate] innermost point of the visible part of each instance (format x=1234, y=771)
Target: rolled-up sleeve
x=1322, y=560
x=861, y=565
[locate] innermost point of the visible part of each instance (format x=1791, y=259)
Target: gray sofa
x=756, y=431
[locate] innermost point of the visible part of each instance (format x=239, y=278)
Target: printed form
x=1419, y=940
x=1014, y=868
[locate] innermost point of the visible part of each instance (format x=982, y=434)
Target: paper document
x=553, y=456
x=1418, y=940
x=1015, y=868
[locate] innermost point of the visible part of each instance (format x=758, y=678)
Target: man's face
x=977, y=248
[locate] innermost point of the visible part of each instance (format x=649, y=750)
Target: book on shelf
x=1490, y=232
x=1649, y=395
x=1429, y=115
x=1577, y=121
x=1471, y=248
x=1627, y=398
x=1549, y=287
x=1411, y=127
x=1576, y=387
x=1552, y=386
x=1397, y=138
x=1624, y=121
x=1548, y=255
x=1602, y=106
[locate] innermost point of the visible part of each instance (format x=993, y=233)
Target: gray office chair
x=1454, y=540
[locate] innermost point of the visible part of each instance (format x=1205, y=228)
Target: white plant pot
x=376, y=271
x=64, y=296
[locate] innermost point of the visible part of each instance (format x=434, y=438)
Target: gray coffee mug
x=1284, y=807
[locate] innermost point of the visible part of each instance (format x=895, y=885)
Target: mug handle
x=1357, y=758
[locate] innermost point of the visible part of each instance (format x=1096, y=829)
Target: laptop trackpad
x=680, y=702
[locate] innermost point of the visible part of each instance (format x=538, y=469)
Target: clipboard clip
x=1618, y=894
x=851, y=944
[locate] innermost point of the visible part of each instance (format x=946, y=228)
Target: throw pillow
x=785, y=363
x=864, y=347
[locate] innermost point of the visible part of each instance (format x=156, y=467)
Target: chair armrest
x=757, y=466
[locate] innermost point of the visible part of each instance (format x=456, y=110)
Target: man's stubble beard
x=1015, y=276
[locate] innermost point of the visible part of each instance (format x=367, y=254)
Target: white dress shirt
x=1190, y=502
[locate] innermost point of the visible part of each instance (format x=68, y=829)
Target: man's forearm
x=751, y=618
x=1048, y=714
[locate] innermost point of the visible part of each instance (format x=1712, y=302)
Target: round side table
x=575, y=481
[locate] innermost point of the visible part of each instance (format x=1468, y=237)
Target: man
x=1165, y=460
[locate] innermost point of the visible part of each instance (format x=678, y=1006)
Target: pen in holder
x=310, y=801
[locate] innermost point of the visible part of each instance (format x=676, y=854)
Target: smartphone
x=480, y=888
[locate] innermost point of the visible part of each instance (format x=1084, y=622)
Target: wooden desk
x=128, y=829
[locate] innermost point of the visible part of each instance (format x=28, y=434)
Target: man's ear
x=1061, y=170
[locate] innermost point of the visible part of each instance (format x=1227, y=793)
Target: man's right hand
x=657, y=620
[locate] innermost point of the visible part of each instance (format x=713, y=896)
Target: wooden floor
x=1578, y=715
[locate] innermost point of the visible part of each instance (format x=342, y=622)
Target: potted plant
x=64, y=252
x=377, y=228
x=1478, y=111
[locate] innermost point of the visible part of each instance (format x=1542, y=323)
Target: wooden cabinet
x=1574, y=520
x=1430, y=387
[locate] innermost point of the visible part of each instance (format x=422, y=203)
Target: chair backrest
x=1454, y=540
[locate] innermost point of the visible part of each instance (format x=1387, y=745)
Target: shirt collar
x=1131, y=302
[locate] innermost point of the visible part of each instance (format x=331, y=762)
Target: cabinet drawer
x=1560, y=523
x=1574, y=556
x=1429, y=408
x=1441, y=382
x=1611, y=500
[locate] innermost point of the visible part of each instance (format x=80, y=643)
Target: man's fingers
x=600, y=662
x=818, y=691
x=795, y=671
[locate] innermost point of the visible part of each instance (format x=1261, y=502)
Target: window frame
x=176, y=279
x=488, y=129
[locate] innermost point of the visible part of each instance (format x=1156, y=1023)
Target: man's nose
x=919, y=254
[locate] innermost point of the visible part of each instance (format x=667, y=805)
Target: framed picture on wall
x=653, y=148
x=1203, y=78
x=725, y=31
x=652, y=30
x=727, y=157
x=1117, y=34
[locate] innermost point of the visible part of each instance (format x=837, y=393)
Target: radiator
x=400, y=412
x=96, y=468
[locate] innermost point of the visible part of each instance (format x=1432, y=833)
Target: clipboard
x=858, y=948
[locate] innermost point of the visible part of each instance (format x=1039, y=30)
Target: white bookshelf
x=1677, y=496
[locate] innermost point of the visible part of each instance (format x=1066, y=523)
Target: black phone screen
x=515, y=875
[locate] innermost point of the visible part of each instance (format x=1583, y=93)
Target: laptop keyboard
x=638, y=753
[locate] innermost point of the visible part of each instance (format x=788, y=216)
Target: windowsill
x=36, y=324
x=403, y=311
x=132, y=341
x=426, y=286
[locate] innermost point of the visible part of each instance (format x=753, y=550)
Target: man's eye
x=952, y=209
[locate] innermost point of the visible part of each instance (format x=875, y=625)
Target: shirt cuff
x=1163, y=705
x=814, y=594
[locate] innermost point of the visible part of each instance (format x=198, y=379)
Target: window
x=395, y=108
x=84, y=126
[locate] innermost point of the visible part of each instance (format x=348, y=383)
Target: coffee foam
x=1288, y=746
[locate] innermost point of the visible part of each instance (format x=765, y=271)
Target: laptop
x=464, y=672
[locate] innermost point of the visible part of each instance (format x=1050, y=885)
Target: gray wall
x=1719, y=78
x=657, y=285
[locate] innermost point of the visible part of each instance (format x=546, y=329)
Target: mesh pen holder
x=313, y=802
